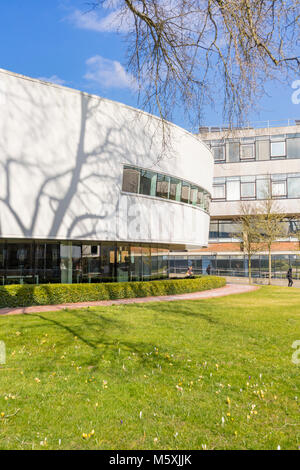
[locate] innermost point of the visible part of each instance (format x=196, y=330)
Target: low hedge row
x=51, y=294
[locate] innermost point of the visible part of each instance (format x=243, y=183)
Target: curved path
x=207, y=294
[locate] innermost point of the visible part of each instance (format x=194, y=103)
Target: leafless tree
x=249, y=232
x=189, y=53
x=270, y=224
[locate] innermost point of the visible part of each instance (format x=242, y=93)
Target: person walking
x=208, y=270
x=289, y=276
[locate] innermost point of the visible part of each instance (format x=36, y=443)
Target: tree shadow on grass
x=177, y=309
x=103, y=335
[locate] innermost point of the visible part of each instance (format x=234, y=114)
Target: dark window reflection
x=130, y=180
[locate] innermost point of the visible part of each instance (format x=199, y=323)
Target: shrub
x=51, y=294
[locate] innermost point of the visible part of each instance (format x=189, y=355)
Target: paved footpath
x=220, y=292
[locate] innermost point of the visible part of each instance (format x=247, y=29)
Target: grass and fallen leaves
x=208, y=374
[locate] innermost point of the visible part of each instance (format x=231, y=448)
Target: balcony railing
x=249, y=125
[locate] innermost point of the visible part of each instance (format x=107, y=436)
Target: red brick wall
x=235, y=247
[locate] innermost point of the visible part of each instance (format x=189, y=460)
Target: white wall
x=61, y=157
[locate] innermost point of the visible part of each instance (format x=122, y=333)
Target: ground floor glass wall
x=236, y=265
x=40, y=262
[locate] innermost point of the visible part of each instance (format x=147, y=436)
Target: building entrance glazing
x=40, y=262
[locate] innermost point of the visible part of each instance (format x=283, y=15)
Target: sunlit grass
x=215, y=374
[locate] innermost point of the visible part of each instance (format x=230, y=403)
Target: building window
x=247, y=190
x=233, y=190
x=162, y=187
x=175, y=189
x=263, y=149
x=219, y=191
x=194, y=195
x=262, y=188
x=218, y=153
x=206, y=201
x=278, y=149
x=294, y=187
x=185, y=192
x=247, y=152
x=293, y=148
x=147, y=183
x=131, y=177
x=278, y=188
x=200, y=198
x=233, y=152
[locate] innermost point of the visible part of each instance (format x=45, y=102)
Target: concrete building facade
x=248, y=161
x=85, y=192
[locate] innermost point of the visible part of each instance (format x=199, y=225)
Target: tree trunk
x=270, y=266
x=249, y=268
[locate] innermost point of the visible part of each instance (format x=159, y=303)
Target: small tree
x=249, y=232
x=270, y=224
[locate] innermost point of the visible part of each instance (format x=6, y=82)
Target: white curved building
x=86, y=193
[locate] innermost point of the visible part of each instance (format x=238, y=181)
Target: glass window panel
x=185, y=192
x=194, y=195
x=175, y=189
x=20, y=263
x=219, y=191
x=262, y=188
x=135, y=263
x=279, y=188
x=131, y=178
x=123, y=263
x=218, y=153
x=76, y=263
x=278, y=176
x=293, y=187
x=263, y=150
x=146, y=263
x=206, y=201
x=293, y=226
x=229, y=229
x=91, y=263
x=2, y=261
x=108, y=257
x=162, y=186
x=154, y=263
x=293, y=148
x=279, y=137
x=233, y=191
x=248, y=179
x=47, y=262
x=213, y=230
x=147, y=182
x=247, y=152
x=233, y=151
x=247, y=190
x=219, y=180
x=200, y=198
x=162, y=262
x=277, y=149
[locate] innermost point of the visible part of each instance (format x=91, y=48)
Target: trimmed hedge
x=51, y=294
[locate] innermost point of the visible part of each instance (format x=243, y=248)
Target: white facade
x=61, y=164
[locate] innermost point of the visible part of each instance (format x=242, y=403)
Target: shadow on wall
x=65, y=193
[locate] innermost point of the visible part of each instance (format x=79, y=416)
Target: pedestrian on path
x=289, y=276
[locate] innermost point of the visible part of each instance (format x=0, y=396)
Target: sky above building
x=58, y=41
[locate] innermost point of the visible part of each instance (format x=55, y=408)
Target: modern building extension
x=86, y=194
x=247, y=162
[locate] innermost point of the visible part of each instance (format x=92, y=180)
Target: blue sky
x=51, y=39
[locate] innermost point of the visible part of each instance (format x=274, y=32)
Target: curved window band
x=149, y=183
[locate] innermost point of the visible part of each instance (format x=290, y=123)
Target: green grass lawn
x=215, y=374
